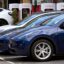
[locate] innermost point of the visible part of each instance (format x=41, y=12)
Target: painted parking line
x=2, y=59
x=13, y=57
x=9, y=62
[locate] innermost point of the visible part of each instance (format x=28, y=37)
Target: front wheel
x=42, y=50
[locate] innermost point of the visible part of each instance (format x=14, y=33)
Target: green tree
x=15, y=16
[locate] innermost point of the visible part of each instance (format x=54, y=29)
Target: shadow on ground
x=27, y=59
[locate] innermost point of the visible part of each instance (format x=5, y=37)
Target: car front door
x=60, y=37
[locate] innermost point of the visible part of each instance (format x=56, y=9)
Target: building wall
x=21, y=1
x=4, y=3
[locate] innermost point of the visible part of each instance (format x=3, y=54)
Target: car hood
x=7, y=27
x=12, y=31
x=10, y=27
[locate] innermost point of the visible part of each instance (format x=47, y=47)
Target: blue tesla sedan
x=43, y=42
x=7, y=35
x=31, y=22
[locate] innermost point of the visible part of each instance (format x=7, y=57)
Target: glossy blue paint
x=52, y=32
x=20, y=35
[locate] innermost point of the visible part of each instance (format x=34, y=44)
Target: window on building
x=60, y=0
x=0, y=3
x=3, y=3
x=41, y=1
x=13, y=1
x=26, y=1
x=46, y=1
x=25, y=12
x=21, y=1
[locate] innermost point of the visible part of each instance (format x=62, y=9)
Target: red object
x=38, y=8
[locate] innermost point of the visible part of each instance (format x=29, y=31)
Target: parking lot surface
x=10, y=59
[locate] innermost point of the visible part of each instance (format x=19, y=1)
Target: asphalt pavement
x=10, y=59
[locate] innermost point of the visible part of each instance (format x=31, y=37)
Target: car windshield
x=54, y=21
x=27, y=19
x=38, y=20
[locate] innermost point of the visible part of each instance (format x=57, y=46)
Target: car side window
x=35, y=25
x=32, y=21
x=45, y=22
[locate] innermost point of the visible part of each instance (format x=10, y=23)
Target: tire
x=42, y=50
x=3, y=22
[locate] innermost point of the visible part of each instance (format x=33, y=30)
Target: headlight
x=12, y=44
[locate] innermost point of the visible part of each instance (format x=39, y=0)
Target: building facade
x=36, y=5
x=4, y=3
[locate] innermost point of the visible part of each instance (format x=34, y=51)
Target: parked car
x=21, y=27
x=43, y=42
x=6, y=35
x=5, y=17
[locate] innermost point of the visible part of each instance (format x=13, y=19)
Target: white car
x=5, y=17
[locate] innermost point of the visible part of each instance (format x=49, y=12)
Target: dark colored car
x=43, y=42
x=33, y=23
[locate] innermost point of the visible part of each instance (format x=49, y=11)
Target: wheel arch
x=4, y=20
x=43, y=37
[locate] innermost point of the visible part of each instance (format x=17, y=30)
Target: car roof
x=41, y=14
x=58, y=18
x=48, y=12
x=44, y=18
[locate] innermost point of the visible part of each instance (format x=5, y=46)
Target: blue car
x=41, y=43
x=8, y=34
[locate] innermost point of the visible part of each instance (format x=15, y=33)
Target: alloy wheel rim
x=42, y=50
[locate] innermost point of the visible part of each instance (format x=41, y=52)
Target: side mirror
x=62, y=26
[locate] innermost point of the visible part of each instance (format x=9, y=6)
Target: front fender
x=43, y=36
